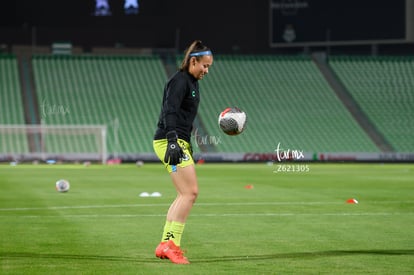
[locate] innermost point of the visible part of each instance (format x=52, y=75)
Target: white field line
x=88, y=216
x=198, y=204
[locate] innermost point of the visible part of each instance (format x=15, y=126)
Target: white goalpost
x=53, y=142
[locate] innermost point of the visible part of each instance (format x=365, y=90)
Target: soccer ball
x=62, y=186
x=232, y=121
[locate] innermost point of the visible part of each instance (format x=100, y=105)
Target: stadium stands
x=287, y=102
x=384, y=89
x=121, y=92
x=11, y=105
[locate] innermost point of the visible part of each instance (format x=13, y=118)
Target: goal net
x=53, y=142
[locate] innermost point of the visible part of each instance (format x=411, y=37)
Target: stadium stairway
x=349, y=102
x=384, y=88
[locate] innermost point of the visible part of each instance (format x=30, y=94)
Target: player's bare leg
x=185, y=182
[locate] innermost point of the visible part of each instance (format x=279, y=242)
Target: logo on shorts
x=186, y=157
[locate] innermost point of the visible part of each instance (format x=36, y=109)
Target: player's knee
x=195, y=195
x=192, y=195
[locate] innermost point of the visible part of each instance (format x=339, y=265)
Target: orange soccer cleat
x=159, y=251
x=170, y=251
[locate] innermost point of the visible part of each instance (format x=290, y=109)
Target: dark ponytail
x=195, y=47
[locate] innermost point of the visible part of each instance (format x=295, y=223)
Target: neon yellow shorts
x=160, y=147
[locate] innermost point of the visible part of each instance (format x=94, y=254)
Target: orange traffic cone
x=353, y=201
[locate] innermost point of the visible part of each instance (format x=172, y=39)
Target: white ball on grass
x=62, y=185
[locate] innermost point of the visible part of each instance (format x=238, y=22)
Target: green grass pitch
x=290, y=222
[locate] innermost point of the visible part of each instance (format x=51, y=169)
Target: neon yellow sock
x=177, y=230
x=166, y=233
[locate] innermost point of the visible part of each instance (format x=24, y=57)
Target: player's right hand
x=174, y=153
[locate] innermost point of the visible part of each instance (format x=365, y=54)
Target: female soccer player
x=172, y=144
